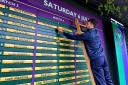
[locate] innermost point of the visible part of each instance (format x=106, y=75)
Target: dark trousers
x=101, y=72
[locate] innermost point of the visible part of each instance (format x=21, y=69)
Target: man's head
x=91, y=23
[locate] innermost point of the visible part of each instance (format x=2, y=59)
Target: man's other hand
x=59, y=29
x=78, y=33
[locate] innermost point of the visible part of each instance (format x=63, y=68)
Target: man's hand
x=59, y=29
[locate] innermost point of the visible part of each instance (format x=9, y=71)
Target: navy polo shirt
x=92, y=42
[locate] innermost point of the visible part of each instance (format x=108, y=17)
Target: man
x=98, y=62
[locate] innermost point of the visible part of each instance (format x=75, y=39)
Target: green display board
x=121, y=56
x=31, y=51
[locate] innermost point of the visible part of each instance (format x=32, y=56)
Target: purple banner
x=58, y=10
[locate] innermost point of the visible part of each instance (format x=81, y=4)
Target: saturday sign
x=64, y=10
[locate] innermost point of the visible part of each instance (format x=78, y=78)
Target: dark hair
x=93, y=21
